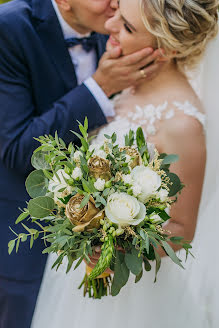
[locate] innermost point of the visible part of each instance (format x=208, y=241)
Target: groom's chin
x=101, y=30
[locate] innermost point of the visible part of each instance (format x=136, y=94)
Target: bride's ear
x=166, y=57
x=163, y=57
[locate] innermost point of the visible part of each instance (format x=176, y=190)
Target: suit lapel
x=101, y=45
x=50, y=32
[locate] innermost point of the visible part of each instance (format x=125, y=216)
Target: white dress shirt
x=85, y=65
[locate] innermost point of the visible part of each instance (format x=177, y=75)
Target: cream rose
x=147, y=179
x=124, y=209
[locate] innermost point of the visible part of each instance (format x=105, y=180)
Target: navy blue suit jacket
x=38, y=95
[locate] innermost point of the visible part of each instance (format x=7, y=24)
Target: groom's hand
x=116, y=73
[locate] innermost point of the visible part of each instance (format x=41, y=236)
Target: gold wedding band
x=143, y=74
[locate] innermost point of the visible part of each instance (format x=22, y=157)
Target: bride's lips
x=113, y=41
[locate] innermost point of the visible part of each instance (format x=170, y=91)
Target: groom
x=47, y=83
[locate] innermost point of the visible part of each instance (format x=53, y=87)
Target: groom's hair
x=181, y=27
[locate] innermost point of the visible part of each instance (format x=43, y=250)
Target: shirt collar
x=67, y=30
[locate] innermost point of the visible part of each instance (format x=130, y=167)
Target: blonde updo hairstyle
x=182, y=27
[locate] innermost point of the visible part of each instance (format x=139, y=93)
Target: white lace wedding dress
x=169, y=303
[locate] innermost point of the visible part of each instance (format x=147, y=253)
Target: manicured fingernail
x=149, y=51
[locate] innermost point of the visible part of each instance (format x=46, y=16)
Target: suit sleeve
x=20, y=121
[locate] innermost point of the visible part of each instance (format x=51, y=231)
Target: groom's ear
x=63, y=4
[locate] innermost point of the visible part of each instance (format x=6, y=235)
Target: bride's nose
x=114, y=4
x=112, y=24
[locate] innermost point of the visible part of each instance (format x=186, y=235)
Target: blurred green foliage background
x=3, y=1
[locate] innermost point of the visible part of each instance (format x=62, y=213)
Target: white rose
x=99, y=184
x=127, y=178
x=147, y=179
x=124, y=209
x=162, y=194
x=97, y=151
x=77, y=173
x=136, y=189
x=155, y=218
x=58, y=181
x=77, y=156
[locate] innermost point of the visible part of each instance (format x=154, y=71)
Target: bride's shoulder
x=184, y=111
x=184, y=126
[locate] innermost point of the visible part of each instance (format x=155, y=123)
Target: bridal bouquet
x=101, y=195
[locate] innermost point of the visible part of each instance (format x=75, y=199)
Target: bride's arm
x=185, y=137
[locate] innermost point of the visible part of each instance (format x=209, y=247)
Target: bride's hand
x=95, y=257
x=116, y=72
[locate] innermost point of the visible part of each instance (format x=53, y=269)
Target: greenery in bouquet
x=104, y=195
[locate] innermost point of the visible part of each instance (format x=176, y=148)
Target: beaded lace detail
x=147, y=117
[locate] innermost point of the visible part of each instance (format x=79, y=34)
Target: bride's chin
x=109, y=46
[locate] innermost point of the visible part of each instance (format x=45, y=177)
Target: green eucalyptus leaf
x=11, y=245
x=147, y=243
x=169, y=159
x=38, y=161
x=170, y=252
x=23, y=238
x=79, y=262
x=62, y=143
x=176, y=184
x=176, y=239
x=147, y=264
x=71, y=259
x=85, y=200
x=41, y=207
x=133, y=261
x=31, y=241
x=158, y=264
x=18, y=243
x=36, y=184
x=22, y=217
x=121, y=274
x=138, y=277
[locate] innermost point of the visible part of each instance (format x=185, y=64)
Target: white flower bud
x=97, y=151
x=77, y=155
x=136, y=189
x=162, y=194
x=77, y=173
x=155, y=218
x=99, y=184
x=127, y=178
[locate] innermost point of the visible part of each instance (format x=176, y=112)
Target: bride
x=172, y=117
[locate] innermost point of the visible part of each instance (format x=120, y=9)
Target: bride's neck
x=167, y=74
